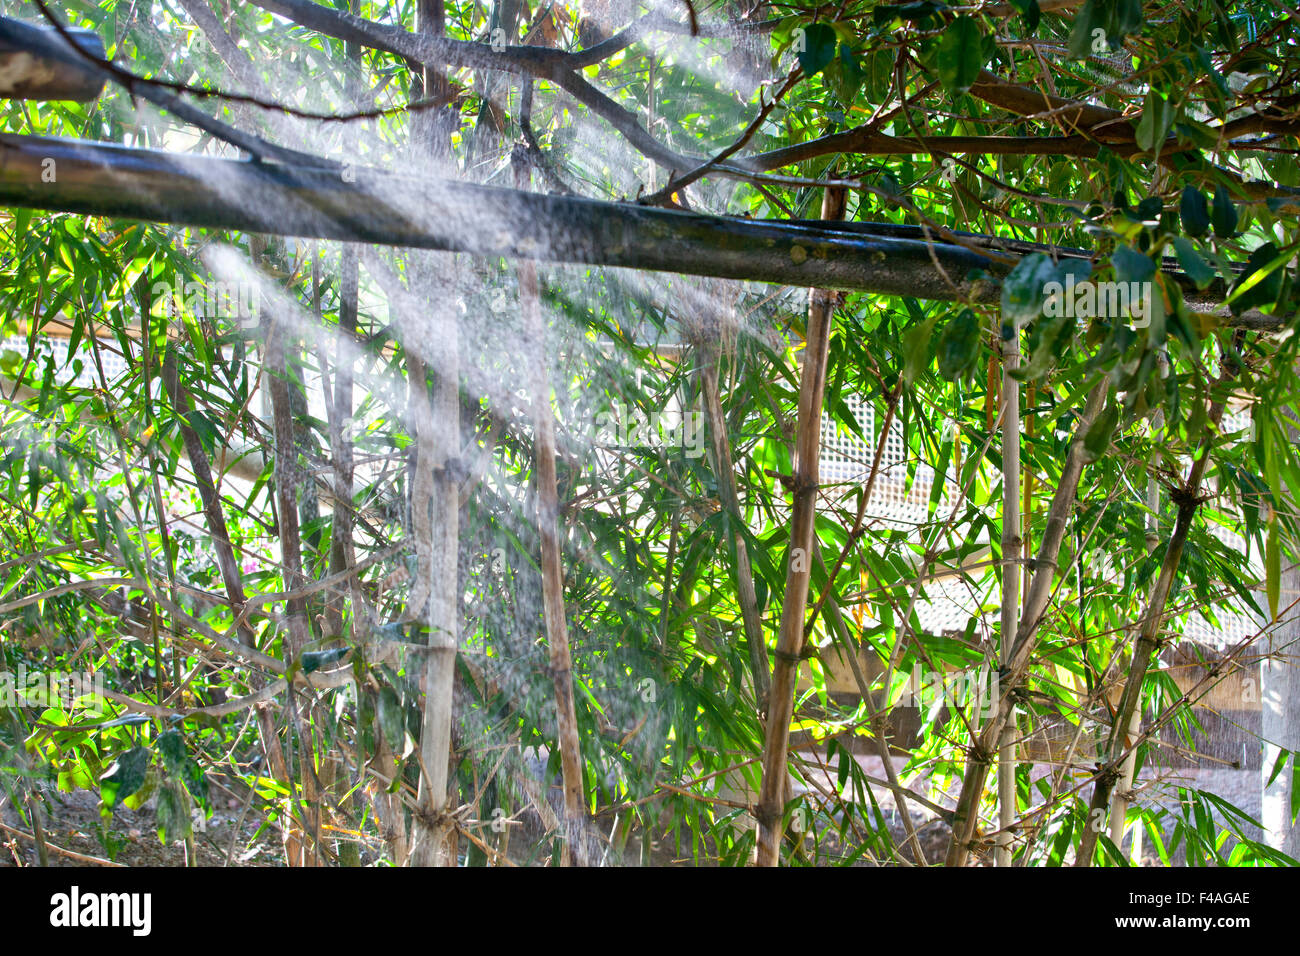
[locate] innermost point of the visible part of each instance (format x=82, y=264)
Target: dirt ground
x=230, y=836
x=73, y=823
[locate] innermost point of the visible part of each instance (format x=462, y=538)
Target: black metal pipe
x=28, y=70
x=369, y=205
x=385, y=208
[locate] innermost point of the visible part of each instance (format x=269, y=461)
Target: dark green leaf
x=315, y=660
x=1023, y=290
x=816, y=48
x=1131, y=265
x=392, y=722
x=1097, y=440
x=1224, y=214
x=125, y=776
x=1197, y=269
x=959, y=345
x=1260, y=282
x=961, y=55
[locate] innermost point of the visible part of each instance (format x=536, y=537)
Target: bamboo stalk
x=1148, y=642
x=342, y=555
x=31, y=797
x=220, y=536
x=437, y=468
x=1120, y=801
x=436, y=520
x=548, y=518
x=1011, y=545
x=790, y=641
x=965, y=815
x=297, y=844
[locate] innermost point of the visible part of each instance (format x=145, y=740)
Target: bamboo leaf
x=1273, y=568
x=960, y=55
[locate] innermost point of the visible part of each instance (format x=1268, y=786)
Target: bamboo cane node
x=439, y=819
x=803, y=484
x=807, y=652
x=555, y=673
x=455, y=469
x=766, y=814
x=978, y=753
x=786, y=481
x=822, y=298
x=1106, y=775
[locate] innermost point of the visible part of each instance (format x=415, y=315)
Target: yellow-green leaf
x=1272, y=568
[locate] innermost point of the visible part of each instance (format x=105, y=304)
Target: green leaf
x=125, y=776
x=1029, y=12
x=172, y=746
x=959, y=345
x=1278, y=765
x=1260, y=282
x=851, y=73
x=1197, y=269
x=1126, y=17
x=314, y=660
x=961, y=55
x=917, y=12
x=1195, y=212
x=917, y=353
x=1102, y=25
x=208, y=432
x=171, y=816
x=1295, y=790
x=1153, y=127
x=392, y=722
x=1131, y=265
x=1273, y=568
x=816, y=48
x=1097, y=441
x=1224, y=214
x=1022, y=290
x=1081, y=34
x=11, y=362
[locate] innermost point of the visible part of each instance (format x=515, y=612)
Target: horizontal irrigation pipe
x=360, y=204
x=27, y=75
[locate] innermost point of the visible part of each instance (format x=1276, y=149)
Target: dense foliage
x=153, y=434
